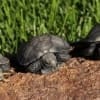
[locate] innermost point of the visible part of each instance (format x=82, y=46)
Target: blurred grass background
x=21, y=19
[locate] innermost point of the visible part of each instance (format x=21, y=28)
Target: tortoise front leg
x=4, y=75
x=62, y=56
x=34, y=67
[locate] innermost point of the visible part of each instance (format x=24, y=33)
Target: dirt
x=76, y=79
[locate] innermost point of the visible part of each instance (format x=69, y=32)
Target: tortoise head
x=49, y=61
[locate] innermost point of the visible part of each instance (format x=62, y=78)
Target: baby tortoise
x=4, y=66
x=90, y=46
x=43, y=54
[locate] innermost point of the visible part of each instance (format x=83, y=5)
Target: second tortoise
x=90, y=46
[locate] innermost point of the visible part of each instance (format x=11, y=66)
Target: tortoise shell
x=34, y=49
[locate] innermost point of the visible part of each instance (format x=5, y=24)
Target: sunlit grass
x=21, y=19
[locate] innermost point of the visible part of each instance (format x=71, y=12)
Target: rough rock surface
x=77, y=79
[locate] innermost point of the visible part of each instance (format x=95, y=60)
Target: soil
x=76, y=79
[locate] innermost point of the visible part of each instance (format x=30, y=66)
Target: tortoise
x=89, y=47
x=43, y=54
x=4, y=66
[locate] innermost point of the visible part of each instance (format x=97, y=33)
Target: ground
x=77, y=79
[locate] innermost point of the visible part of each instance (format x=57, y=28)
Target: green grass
x=21, y=19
